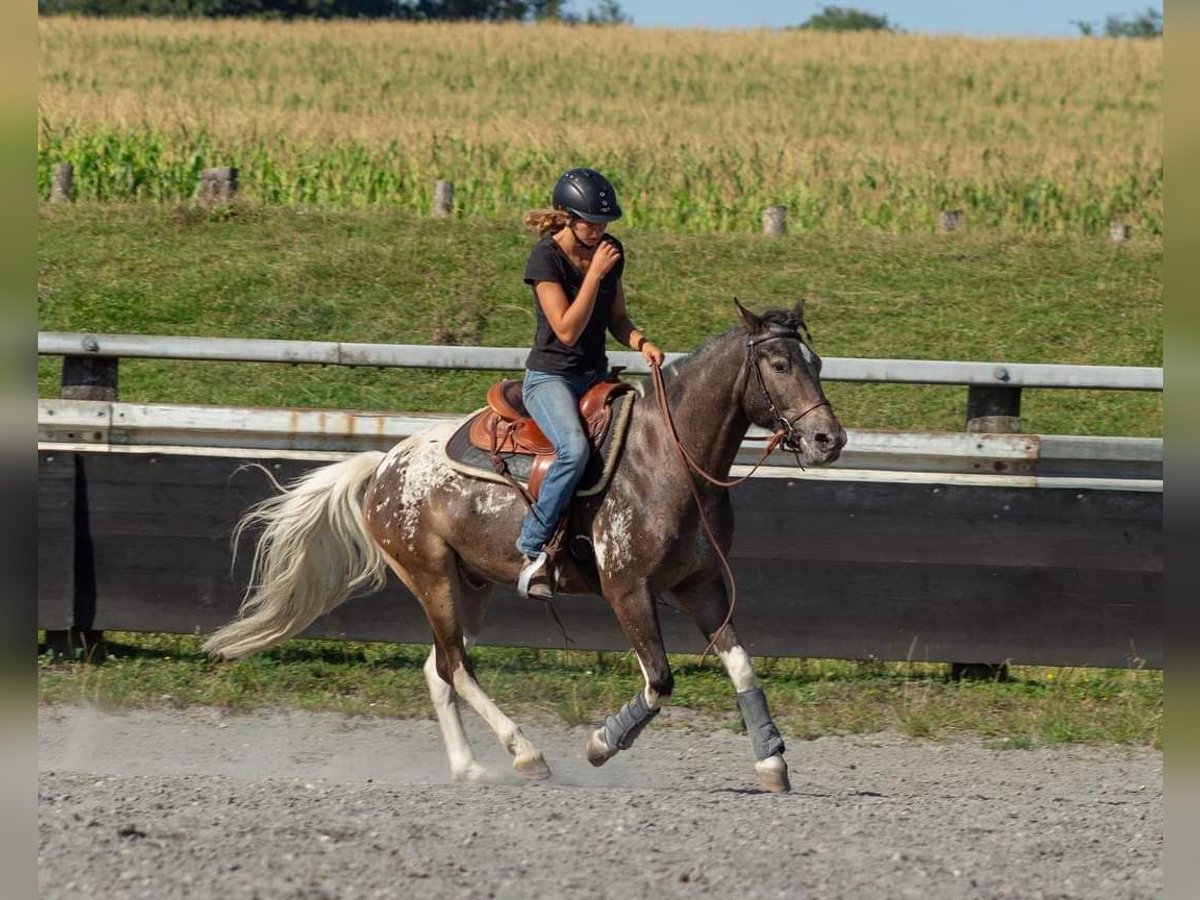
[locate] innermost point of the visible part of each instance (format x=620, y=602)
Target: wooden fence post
x=218, y=184
x=62, y=183
x=443, y=199
x=774, y=220
x=84, y=378
x=949, y=220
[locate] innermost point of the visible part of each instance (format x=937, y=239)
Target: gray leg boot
x=765, y=740
x=620, y=731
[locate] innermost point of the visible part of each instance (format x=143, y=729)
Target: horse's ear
x=798, y=309
x=753, y=322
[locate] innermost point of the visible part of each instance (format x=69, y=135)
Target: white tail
x=314, y=552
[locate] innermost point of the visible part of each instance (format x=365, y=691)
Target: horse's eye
x=779, y=367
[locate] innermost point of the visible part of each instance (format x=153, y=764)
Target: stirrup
x=532, y=584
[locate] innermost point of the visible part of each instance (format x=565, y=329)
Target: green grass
x=381, y=275
x=1037, y=707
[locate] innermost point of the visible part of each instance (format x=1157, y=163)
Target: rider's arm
x=627, y=333
x=568, y=319
x=620, y=325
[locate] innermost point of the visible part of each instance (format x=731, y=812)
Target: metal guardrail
x=97, y=424
x=992, y=443
x=336, y=353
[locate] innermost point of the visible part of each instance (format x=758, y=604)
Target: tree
x=265, y=9
x=606, y=12
x=1146, y=24
x=846, y=18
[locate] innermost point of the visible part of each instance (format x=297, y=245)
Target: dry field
x=700, y=130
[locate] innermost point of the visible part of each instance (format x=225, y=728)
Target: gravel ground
x=301, y=805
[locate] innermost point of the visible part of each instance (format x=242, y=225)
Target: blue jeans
x=553, y=401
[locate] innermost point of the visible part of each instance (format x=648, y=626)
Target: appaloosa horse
x=448, y=536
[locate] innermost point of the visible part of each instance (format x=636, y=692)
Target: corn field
x=699, y=130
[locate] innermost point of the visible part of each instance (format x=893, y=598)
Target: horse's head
x=783, y=385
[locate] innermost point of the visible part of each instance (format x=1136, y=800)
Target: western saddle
x=505, y=426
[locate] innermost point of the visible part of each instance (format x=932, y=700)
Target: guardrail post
x=991, y=409
x=89, y=378
x=83, y=378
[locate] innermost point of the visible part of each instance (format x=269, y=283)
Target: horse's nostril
x=821, y=438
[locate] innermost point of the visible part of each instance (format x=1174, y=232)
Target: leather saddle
x=505, y=427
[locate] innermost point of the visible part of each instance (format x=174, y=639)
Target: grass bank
x=387, y=276
x=1037, y=707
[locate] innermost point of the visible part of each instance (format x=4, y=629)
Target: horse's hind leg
x=463, y=766
x=708, y=604
x=639, y=620
x=445, y=601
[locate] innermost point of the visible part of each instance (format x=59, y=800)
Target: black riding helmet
x=587, y=194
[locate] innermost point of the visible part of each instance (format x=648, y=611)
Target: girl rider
x=575, y=271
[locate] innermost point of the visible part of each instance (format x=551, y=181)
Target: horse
x=654, y=529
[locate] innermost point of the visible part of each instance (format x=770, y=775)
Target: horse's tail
x=314, y=552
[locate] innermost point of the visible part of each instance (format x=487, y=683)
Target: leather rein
x=785, y=434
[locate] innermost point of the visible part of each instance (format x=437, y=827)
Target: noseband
x=791, y=439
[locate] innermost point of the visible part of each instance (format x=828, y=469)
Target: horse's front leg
x=634, y=607
x=708, y=604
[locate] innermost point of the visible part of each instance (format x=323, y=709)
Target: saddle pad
x=463, y=456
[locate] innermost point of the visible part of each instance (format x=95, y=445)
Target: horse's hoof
x=531, y=766
x=597, y=751
x=471, y=774
x=773, y=775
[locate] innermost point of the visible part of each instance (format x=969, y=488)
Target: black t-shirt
x=548, y=262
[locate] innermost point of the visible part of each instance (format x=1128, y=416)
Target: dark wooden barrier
x=850, y=569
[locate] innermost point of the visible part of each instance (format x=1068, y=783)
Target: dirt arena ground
x=298, y=805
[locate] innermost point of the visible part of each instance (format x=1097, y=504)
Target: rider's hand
x=652, y=354
x=606, y=256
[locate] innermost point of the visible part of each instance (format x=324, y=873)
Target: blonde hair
x=544, y=221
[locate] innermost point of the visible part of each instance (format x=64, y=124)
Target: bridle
x=786, y=435
x=787, y=429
